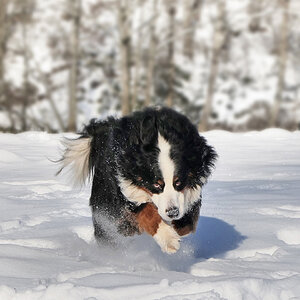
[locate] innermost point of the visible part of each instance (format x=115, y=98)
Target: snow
x=246, y=247
x=7, y=157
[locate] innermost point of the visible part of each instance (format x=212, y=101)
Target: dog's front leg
x=151, y=222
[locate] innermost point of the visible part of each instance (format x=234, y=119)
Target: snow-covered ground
x=247, y=245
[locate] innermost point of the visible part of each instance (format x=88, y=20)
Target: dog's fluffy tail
x=80, y=156
x=76, y=157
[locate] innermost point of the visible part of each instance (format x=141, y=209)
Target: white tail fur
x=76, y=157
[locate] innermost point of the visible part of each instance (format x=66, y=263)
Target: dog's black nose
x=172, y=212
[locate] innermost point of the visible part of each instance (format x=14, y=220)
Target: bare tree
x=3, y=42
x=282, y=60
x=137, y=58
x=170, y=56
x=254, y=8
x=218, y=42
x=27, y=8
x=192, y=17
x=3, y=35
x=3, y=6
x=74, y=68
x=125, y=52
x=151, y=56
x=26, y=68
x=46, y=80
x=20, y=12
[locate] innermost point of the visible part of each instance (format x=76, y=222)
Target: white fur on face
x=191, y=196
x=132, y=192
x=170, y=197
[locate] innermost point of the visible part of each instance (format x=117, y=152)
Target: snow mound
x=9, y=157
x=275, y=133
x=290, y=236
x=41, y=189
x=35, y=243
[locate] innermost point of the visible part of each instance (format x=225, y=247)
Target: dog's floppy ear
x=209, y=157
x=148, y=130
x=201, y=157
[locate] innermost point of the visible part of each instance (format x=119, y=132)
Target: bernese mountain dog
x=147, y=171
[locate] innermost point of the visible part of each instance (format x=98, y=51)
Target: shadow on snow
x=214, y=238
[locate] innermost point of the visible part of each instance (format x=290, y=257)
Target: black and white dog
x=148, y=170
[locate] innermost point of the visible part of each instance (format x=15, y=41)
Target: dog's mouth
x=168, y=219
x=170, y=215
x=172, y=212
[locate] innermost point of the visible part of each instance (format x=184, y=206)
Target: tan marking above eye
x=159, y=181
x=176, y=181
x=139, y=178
x=159, y=184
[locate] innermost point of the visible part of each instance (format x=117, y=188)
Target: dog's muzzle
x=172, y=212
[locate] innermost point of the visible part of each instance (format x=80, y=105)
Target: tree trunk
x=51, y=101
x=254, y=8
x=74, y=69
x=151, y=57
x=170, y=58
x=282, y=60
x=218, y=42
x=125, y=50
x=4, y=35
x=137, y=60
x=192, y=17
x=26, y=67
x=3, y=5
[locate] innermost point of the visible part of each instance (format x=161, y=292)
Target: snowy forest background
x=231, y=64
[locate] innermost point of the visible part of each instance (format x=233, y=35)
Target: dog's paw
x=167, y=238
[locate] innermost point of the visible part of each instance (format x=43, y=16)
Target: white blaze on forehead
x=166, y=164
x=169, y=197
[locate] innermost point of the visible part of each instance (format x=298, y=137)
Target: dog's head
x=164, y=160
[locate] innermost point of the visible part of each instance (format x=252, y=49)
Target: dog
x=147, y=171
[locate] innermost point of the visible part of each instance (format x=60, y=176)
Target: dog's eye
x=178, y=183
x=157, y=185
